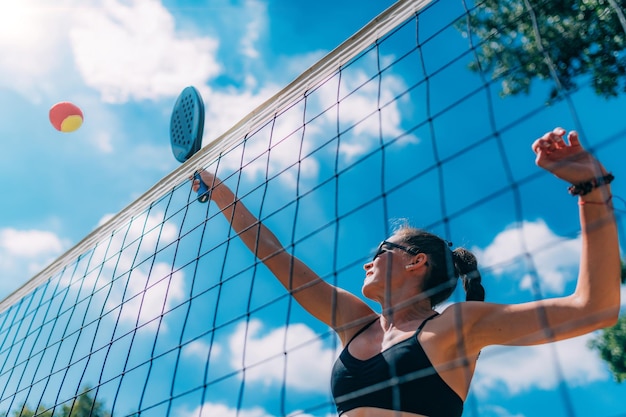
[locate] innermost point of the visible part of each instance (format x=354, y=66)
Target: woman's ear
x=418, y=261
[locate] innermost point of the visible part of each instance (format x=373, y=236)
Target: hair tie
x=586, y=187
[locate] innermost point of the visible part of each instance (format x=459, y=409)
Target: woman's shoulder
x=454, y=324
x=461, y=315
x=467, y=308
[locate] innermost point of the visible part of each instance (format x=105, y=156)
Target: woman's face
x=384, y=270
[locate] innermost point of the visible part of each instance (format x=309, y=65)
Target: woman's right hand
x=208, y=179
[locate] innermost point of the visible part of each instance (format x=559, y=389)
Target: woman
x=411, y=361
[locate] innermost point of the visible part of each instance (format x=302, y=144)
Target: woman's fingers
x=573, y=139
x=554, y=140
x=205, y=176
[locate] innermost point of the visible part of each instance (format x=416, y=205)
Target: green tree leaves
x=521, y=40
x=84, y=406
x=612, y=347
x=611, y=344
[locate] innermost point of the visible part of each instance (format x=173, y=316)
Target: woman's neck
x=398, y=315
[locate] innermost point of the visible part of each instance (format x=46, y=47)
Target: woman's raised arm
x=333, y=306
x=595, y=302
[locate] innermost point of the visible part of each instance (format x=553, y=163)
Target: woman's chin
x=369, y=290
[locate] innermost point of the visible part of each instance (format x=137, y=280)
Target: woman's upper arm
x=339, y=309
x=524, y=324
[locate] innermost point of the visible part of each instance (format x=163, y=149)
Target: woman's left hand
x=568, y=161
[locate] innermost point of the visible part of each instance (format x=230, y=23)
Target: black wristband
x=586, y=187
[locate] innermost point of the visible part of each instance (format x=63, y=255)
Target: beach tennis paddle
x=186, y=127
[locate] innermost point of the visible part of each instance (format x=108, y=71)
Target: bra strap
x=361, y=330
x=425, y=321
x=367, y=326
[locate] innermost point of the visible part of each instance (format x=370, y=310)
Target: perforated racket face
x=187, y=124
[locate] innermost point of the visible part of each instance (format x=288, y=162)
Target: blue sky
x=124, y=63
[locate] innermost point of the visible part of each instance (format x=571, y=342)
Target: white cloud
x=29, y=243
x=221, y=410
x=513, y=370
x=256, y=11
x=134, y=52
x=200, y=350
x=125, y=50
x=267, y=355
x=555, y=258
x=23, y=253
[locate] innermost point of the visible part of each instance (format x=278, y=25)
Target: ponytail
x=446, y=266
x=467, y=267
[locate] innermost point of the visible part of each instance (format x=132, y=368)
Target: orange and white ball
x=66, y=117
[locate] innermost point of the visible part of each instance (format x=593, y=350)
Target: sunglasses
x=386, y=246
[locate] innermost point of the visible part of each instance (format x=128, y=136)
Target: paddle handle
x=203, y=191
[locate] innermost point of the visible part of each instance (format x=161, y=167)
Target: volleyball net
x=162, y=311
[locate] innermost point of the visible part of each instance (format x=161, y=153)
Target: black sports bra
x=400, y=378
